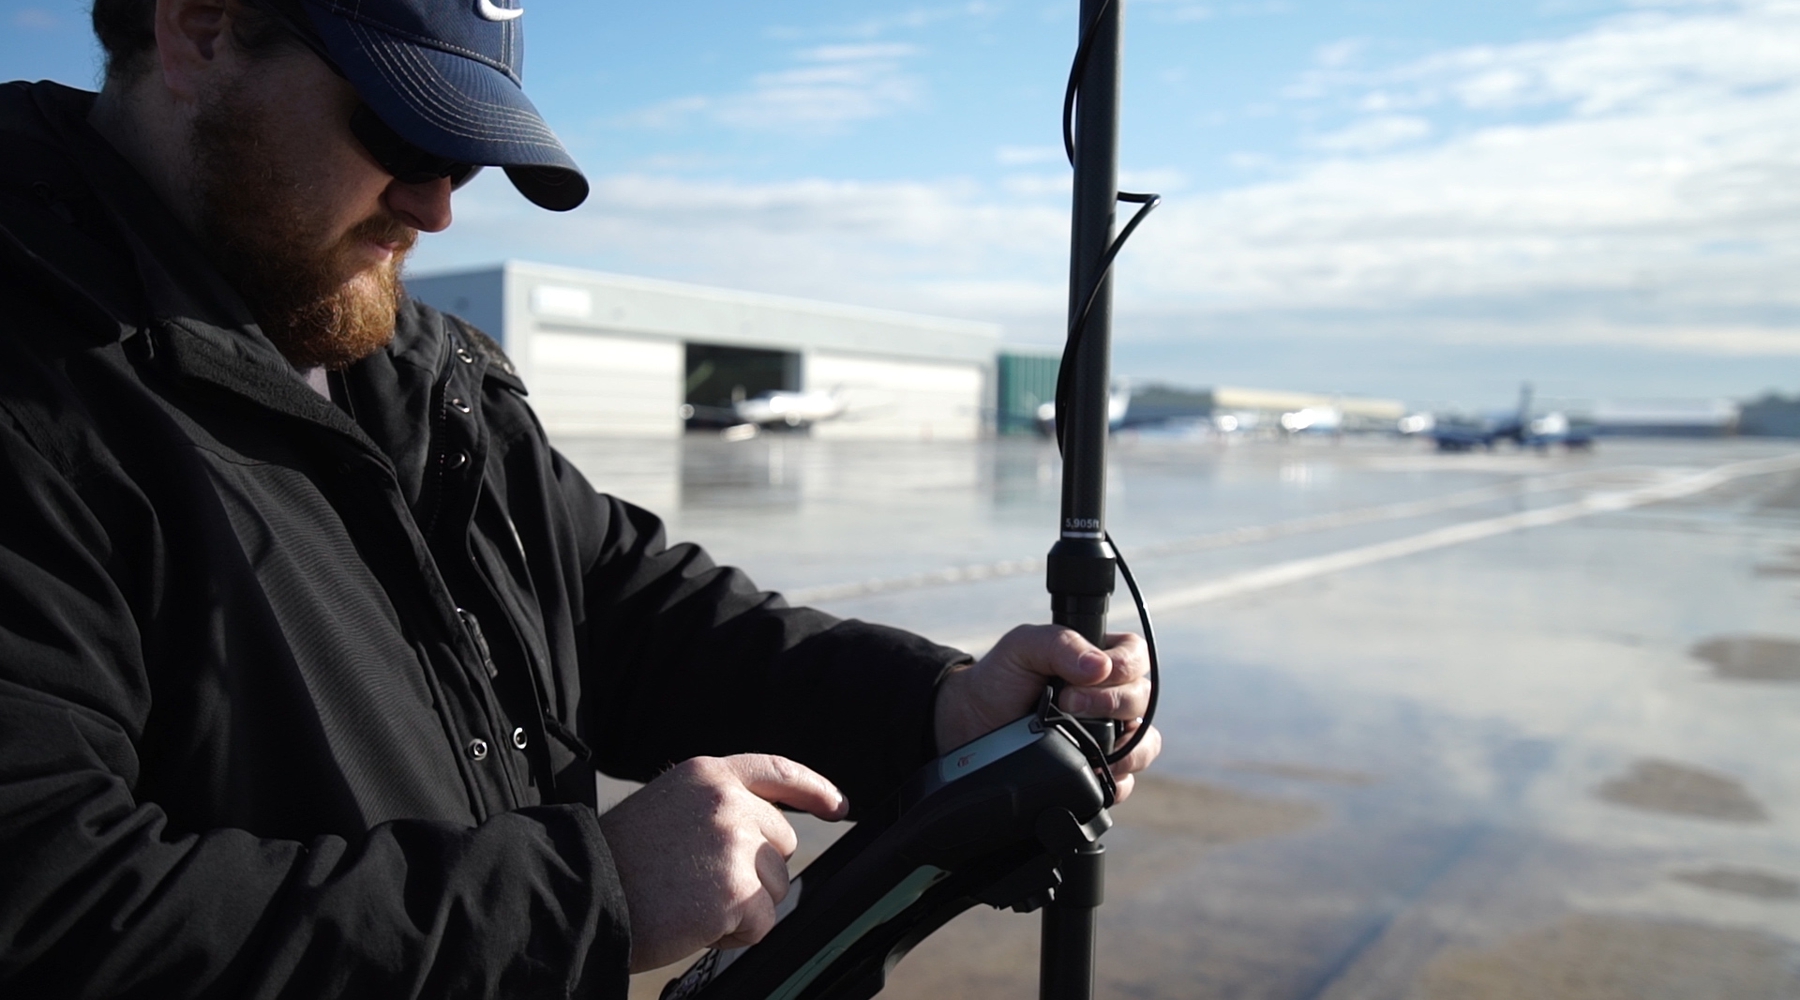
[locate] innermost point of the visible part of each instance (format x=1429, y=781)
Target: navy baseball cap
x=444, y=74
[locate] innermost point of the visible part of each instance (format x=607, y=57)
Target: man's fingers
x=1051, y=651
x=1130, y=657
x=777, y=779
x=1123, y=701
x=1124, y=693
x=1126, y=701
x=772, y=871
x=1124, y=785
x=1141, y=756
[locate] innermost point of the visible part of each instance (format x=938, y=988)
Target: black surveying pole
x=1081, y=565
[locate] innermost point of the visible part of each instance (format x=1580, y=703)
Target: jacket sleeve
x=692, y=659
x=98, y=897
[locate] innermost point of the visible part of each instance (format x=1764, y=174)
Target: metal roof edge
x=522, y=268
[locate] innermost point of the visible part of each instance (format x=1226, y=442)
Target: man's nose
x=424, y=206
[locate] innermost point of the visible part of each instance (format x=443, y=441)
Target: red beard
x=315, y=306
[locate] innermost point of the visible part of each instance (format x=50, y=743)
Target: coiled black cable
x=1077, y=327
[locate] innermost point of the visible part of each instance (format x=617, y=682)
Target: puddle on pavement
x=1755, y=658
x=1783, y=498
x=1663, y=786
x=984, y=953
x=1743, y=882
x=1788, y=564
x=1616, y=958
x=1311, y=773
x=1169, y=824
x=1211, y=814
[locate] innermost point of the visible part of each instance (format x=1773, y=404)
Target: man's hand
x=702, y=854
x=1110, y=683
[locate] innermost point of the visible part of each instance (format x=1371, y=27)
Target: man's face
x=304, y=224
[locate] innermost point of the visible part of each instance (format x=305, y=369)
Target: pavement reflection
x=1531, y=742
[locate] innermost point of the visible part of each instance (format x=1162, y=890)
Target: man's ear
x=190, y=41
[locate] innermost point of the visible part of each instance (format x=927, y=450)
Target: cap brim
x=458, y=108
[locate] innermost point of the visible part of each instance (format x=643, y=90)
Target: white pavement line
x=1215, y=540
x=1294, y=571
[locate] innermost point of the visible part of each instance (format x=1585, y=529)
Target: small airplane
x=786, y=409
x=1461, y=433
x=1118, y=405
x=791, y=409
x=1313, y=420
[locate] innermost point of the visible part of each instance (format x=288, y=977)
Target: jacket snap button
x=461, y=406
x=457, y=460
x=463, y=355
x=478, y=749
x=519, y=738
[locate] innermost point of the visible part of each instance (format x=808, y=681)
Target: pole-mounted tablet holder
x=1014, y=818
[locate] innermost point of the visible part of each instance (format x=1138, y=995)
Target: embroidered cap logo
x=487, y=11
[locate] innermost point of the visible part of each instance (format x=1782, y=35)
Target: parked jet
x=1118, y=406
x=743, y=418
x=1461, y=433
x=791, y=409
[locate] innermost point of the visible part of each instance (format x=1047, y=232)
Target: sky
x=1387, y=197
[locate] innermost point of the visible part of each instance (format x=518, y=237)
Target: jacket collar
x=179, y=284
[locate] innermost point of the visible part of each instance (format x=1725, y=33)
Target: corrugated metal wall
x=1026, y=381
x=605, y=355
x=586, y=383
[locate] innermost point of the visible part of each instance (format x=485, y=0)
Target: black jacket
x=304, y=700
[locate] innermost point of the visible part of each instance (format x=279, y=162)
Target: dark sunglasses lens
x=406, y=162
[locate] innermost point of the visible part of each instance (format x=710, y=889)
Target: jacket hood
x=76, y=195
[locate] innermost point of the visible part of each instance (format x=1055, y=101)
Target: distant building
x=1666, y=418
x=1238, y=408
x=1771, y=416
x=608, y=355
x=1027, y=380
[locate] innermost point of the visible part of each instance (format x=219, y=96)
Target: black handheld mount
x=1014, y=818
x=989, y=822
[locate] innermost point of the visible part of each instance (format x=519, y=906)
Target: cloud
x=831, y=87
x=1189, y=10
x=926, y=246
x=1023, y=156
x=916, y=18
x=1371, y=134
x=1679, y=134
x=1339, y=53
x=1633, y=185
x=1682, y=55
x=36, y=19
x=1059, y=184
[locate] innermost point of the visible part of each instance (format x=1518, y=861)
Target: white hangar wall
x=605, y=355
x=888, y=398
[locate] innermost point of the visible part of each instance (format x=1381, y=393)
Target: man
x=309, y=643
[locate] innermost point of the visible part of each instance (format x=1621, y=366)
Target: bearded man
x=310, y=644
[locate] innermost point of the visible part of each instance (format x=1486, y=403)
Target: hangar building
x=609, y=355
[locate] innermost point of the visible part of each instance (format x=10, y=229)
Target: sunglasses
x=402, y=160
x=406, y=162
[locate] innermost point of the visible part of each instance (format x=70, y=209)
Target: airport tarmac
x=1438, y=727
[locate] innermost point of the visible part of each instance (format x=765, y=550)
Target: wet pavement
x=1480, y=726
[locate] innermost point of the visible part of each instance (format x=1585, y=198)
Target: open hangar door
x=719, y=377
